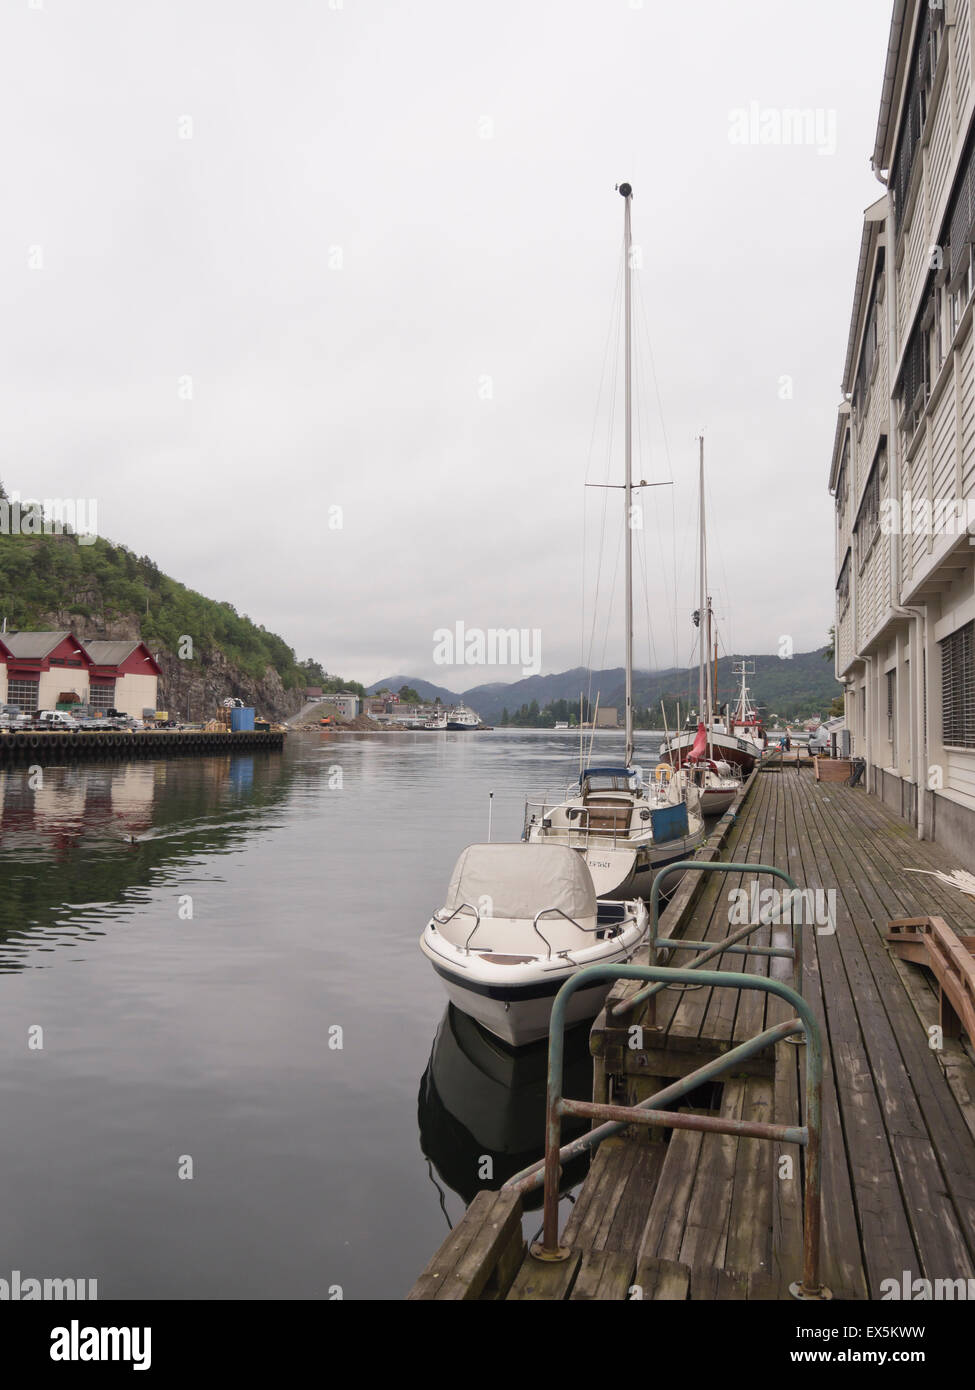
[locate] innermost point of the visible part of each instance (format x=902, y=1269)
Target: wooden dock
x=678, y=1214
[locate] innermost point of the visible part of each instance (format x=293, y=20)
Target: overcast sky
x=260, y=260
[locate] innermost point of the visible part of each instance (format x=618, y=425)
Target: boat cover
x=669, y=823
x=521, y=879
x=607, y=772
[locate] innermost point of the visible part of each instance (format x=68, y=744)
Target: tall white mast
x=627, y=192
x=702, y=625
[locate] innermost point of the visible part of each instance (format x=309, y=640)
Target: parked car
x=55, y=719
x=12, y=717
x=118, y=720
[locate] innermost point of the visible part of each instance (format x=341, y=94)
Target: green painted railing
x=711, y=949
x=808, y=1136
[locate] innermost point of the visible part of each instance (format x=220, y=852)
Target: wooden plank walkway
x=685, y=1214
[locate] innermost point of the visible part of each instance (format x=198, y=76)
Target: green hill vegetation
x=99, y=585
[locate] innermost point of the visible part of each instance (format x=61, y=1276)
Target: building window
x=843, y=586
x=23, y=694
x=958, y=688
x=843, y=483
x=924, y=60
x=868, y=354
x=868, y=517
x=940, y=333
x=892, y=714
x=102, y=696
x=915, y=379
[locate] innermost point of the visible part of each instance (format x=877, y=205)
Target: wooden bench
x=930, y=941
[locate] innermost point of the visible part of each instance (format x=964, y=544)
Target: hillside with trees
x=99, y=589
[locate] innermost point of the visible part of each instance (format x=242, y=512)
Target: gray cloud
x=463, y=257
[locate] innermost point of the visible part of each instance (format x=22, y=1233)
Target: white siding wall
x=939, y=154
x=60, y=678
x=967, y=387
x=872, y=637
x=133, y=694
x=961, y=59
x=845, y=640
x=959, y=776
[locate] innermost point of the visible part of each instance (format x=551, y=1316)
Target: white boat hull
x=715, y=803
x=629, y=873
x=519, y=1022
x=521, y=1014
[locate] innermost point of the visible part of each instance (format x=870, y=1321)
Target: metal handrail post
x=528, y=1179
x=809, y=1135
x=627, y=1006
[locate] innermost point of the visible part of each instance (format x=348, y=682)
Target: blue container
x=241, y=721
x=669, y=823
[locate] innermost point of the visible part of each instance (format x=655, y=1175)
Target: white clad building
x=903, y=466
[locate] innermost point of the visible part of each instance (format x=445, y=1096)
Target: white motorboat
x=517, y=922
x=625, y=830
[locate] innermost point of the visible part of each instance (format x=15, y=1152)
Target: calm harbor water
x=171, y=1040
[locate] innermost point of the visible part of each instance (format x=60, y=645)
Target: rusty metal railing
x=711, y=949
x=808, y=1136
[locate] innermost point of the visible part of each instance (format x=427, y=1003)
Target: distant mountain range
x=795, y=688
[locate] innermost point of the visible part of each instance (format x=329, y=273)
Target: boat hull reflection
x=481, y=1106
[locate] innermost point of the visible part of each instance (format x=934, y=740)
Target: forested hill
x=798, y=687
x=104, y=590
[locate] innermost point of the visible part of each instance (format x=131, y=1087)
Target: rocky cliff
x=191, y=689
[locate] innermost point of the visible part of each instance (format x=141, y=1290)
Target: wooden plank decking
x=686, y=1214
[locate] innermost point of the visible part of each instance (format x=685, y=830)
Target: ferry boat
x=460, y=718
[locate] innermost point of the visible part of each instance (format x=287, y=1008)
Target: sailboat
x=739, y=740
x=699, y=762
x=625, y=829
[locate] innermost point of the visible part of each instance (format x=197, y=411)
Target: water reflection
x=78, y=838
x=210, y=1037
x=481, y=1106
